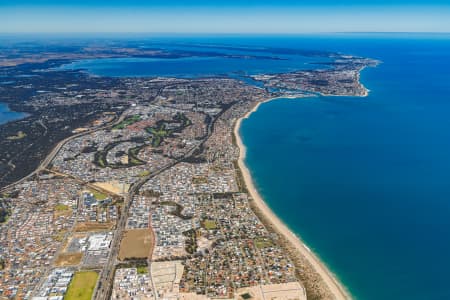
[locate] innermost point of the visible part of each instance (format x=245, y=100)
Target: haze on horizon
x=232, y=16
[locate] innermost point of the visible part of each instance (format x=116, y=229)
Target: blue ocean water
x=365, y=182
x=6, y=115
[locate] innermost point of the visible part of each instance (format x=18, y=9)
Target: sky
x=224, y=16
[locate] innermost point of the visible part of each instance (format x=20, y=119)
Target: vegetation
x=191, y=241
x=82, y=286
x=142, y=269
x=4, y=213
x=158, y=134
x=185, y=122
x=128, y=121
x=61, y=207
x=59, y=237
x=177, y=211
x=99, y=195
x=209, y=224
x=150, y=193
x=246, y=296
x=240, y=178
x=226, y=195
x=144, y=173
x=199, y=180
x=20, y=135
x=133, y=159
x=262, y=242
x=160, y=131
x=100, y=159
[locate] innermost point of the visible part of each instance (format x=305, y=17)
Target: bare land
x=93, y=226
x=68, y=259
x=136, y=243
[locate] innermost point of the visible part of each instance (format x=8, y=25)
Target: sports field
x=82, y=286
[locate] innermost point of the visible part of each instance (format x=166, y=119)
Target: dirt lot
x=113, y=187
x=94, y=226
x=68, y=259
x=136, y=243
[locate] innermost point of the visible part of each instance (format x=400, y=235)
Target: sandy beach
x=337, y=291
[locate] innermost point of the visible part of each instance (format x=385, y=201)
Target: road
x=104, y=285
x=48, y=159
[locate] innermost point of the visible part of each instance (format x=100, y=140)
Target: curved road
x=48, y=159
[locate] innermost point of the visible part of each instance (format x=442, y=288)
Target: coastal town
x=148, y=198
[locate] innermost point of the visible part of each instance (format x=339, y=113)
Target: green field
x=158, y=134
x=262, y=242
x=82, y=286
x=209, y=224
x=142, y=270
x=144, y=173
x=127, y=121
x=199, y=180
x=99, y=195
x=133, y=159
x=20, y=135
x=61, y=207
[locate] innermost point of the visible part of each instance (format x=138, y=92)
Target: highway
x=104, y=286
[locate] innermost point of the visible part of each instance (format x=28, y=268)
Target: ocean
x=363, y=181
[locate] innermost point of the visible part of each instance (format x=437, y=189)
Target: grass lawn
x=20, y=135
x=210, y=224
x=99, y=195
x=199, y=180
x=261, y=243
x=61, y=207
x=142, y=270
x=82, y=286
x=128, y=121
x=144, y=173
x=158, y=134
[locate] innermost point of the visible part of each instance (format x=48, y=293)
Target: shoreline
x=9, y=111
x=329, y=279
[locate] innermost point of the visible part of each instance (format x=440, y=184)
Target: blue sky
x=231, y=16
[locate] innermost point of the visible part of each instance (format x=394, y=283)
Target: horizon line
x=219, y=33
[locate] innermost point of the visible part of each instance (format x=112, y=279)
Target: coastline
x=334, y=286
x=6, y=111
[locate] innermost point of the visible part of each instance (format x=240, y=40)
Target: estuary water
x=6, y=115
x=197, y=66
x=364, y=181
